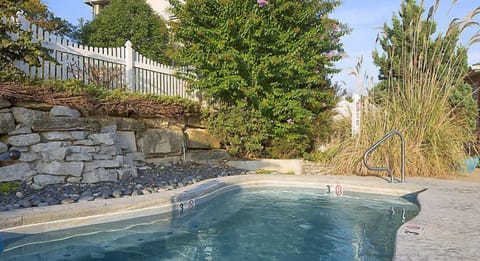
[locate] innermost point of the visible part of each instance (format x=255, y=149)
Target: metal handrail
x=374, y=146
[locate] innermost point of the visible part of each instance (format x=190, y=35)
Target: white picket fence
x=111, y=68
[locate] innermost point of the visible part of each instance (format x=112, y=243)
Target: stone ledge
x=277, y=165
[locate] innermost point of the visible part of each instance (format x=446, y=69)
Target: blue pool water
x=247, y=224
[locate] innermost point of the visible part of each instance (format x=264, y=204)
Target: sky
x=364, y=17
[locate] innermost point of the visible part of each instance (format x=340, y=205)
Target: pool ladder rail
x=374, y=146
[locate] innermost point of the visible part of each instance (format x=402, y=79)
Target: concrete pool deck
x=447, y=227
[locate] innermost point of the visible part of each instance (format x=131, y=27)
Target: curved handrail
x=374, y=146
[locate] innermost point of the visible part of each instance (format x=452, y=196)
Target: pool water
x=246, y=224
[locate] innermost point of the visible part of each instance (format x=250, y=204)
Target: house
x=473, y=78
x=159, y=6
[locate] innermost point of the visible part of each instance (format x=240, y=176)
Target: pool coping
x=410, y=240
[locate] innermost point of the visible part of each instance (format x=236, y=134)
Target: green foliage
x=8, y=187
x=398, y=44
x=271, y=62
x=132, y=20
x=15, y=48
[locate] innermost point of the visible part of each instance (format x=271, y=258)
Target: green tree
x=16, y=44
x=132, y=20
x=37, y=13
x=272, y=59
x=419, y=40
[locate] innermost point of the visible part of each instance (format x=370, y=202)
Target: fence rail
x=120, y=67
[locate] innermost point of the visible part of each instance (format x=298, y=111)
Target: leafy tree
x=420, y=40
x=132, y=20
x=37, y=13
x=20, y=47
x=272, y=59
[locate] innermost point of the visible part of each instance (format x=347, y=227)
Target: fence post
x=130, y=72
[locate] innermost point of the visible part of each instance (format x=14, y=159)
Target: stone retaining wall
x=58, y=145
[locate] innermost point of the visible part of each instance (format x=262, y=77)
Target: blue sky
x=362, y=16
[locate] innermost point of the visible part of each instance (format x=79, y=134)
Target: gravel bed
x=150, y=179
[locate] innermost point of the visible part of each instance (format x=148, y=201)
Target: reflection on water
x=252, y=224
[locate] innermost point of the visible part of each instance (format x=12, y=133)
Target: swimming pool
x=243, y=224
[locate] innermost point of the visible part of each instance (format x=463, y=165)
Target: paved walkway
x=448, y=225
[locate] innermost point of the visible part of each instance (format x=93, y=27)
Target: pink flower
x=324, y=105
x=290, y=121
x=262, y=3
x=330, y=55
x=335, y=27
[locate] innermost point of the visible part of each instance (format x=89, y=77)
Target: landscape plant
x=264, y=67
x=424, y=97
x=133, y=20
x=15, y=43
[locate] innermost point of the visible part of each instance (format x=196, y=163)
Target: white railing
x=111, y=68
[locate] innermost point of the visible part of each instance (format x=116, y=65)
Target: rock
x=86, y=198
x=74, y=179
x=80, y=149
x=108, y=150
x=89, y=166
x=4, y=103
x=54, y=154
x=85, y=142
x=43, y=180
x=100, y=175
x=154, y=141
x=117, y=193
x=29, y=156
x=102, y=157
x=127, y=173
x=40, y=147
x=67, y=201
x=56, y=135
x=25, y=203
x=201, y=139
x=3, y=147
x=64, y=111
x=65, y=124
x=209, y=157
x=103, y=138
x=79, y=157
x=43, y=204
x=27, y=117
x=61, y=168
x=79, y=135
x=75, y=197
x=131, y=158
x=19, y=194
x=7, y=123
x=24, y=140
x=125, y=140
x=20, y=130
x=19, y=171
x=109, y=129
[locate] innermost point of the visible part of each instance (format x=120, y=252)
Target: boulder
x=7, y=123
x=61, y=168
x=79, y=135
x=161, y=141
x=64, y=111
x=24, y=140
x=100, y=175
x=3, y=147
x=126, y=141
x=43, y=180
x=20, y=130
x=56, y=135
x=54, y=154
x=18, y=171
x=27, y=117
x=64, y=124
x=89, y=166
x=103, y=138
x=4, y=103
